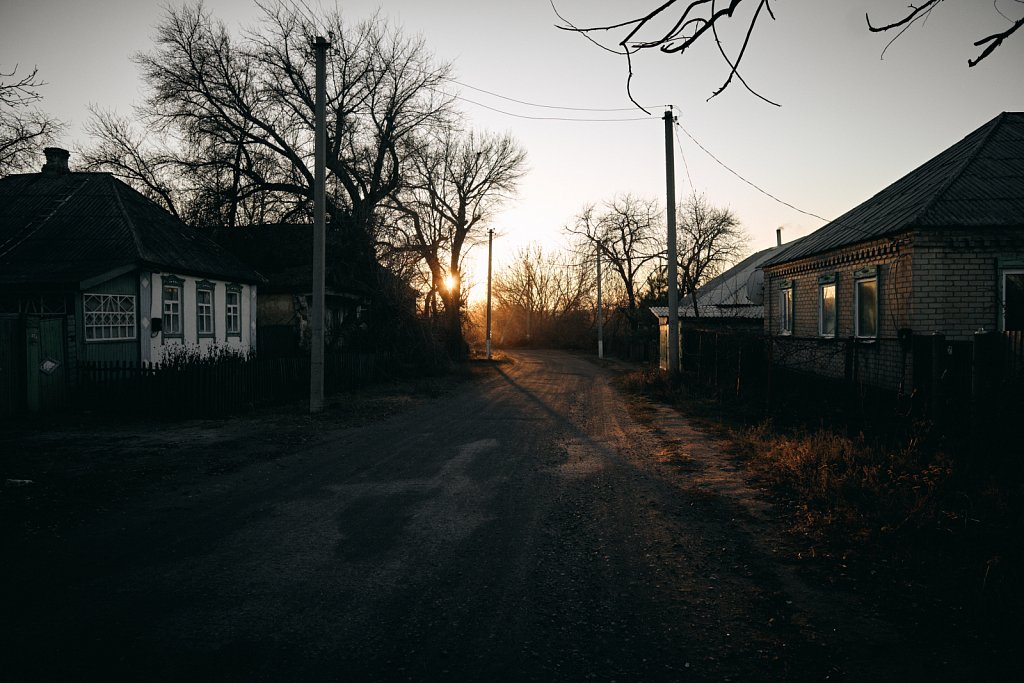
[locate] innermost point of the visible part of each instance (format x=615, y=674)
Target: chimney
x=778, y=236
x=56, y=161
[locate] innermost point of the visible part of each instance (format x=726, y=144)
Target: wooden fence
x=216, y=387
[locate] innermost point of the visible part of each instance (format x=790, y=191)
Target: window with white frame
x=865, y=303
x=232, y=311
x=786, y=307
x=172, y=288
x=108, y=317
x=204, y=309
x=1013, y=299
x=827, y=305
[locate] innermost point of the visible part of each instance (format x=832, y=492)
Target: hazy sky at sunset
x=849, y=123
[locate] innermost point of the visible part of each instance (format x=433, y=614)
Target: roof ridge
x=132, y=229
x=30, y=230
x=992, y=126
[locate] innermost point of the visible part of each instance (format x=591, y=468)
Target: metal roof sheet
x=979, y=181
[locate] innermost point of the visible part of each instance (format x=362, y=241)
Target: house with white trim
x=93, y=271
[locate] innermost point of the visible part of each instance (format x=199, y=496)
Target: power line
x=679, y=146
x=753, y=185
x=539, y=118
x=535, y=104
x=834, y=221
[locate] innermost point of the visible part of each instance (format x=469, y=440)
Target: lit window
x=204, y=309
x=172, y=306
x=827, y=306
x=1013, y=300
x=232, y=311
x=109, y=317
x=865, y=296
x=786, y=307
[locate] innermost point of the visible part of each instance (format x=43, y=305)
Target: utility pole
x=600, y=314
x=316, y=359
x=673, y=290
x=490, y=244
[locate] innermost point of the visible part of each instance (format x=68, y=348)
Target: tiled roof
x=66, y=228
x=979, y=181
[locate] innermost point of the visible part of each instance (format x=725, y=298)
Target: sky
x=849, y=124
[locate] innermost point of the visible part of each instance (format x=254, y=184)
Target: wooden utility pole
x=600, y=313
x=673, y=290
x=490, y=244
x=316, y=359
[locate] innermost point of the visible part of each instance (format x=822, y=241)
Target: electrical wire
x=537, y=118
x=753, y=185
x=535, y=104
x=679, y=146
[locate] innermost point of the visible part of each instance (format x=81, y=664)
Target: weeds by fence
x=216, y=386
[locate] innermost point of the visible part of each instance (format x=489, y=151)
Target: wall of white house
x=151, y=293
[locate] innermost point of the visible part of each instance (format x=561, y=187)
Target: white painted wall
x=247, y=315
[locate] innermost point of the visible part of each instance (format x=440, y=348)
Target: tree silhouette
x=24, y=129
x=674, y=26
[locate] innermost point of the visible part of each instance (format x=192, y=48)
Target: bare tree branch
x=24, y=130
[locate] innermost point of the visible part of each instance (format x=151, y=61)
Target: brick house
x=905, y=285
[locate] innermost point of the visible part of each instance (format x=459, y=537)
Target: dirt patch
x=58, y=471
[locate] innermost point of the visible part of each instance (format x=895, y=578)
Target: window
x=172, y=306
x=204, y=309
x=827, y=305
x=865, y=295
x=786, y=307
x=1013, y=300
x=109, y=317
x=232, y=311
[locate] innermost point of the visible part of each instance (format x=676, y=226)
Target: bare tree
x=709, y=239
x=544, y=299
x=455, y=183
x=241, y=109
x=674, y=26
x=24, y=129
x=626, y=230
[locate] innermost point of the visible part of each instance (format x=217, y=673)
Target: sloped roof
x=977, y=182
x=725, y=295
x=63, y=228
x=283, y=253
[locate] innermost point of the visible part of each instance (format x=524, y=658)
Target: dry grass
x=844, y=486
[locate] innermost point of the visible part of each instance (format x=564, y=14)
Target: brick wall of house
x=881, y=362
x=956, y=276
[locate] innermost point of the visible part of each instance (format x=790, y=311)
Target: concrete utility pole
x=316, y=359
x=490, y=244
x=673, y=290
x=600, y=314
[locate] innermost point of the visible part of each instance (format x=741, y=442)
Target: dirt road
x=527, y=526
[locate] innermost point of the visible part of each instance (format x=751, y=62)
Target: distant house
x=904, y=283
x=283, y=253
x=733, y=301
x=92, y=271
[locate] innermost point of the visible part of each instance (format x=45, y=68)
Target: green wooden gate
x=46, y=374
